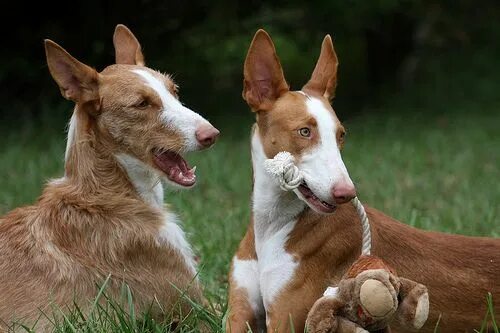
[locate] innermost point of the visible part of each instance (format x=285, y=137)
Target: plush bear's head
x=371, y=296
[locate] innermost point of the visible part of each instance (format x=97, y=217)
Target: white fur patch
x=270, y=202
x=275, y=215
x=276, y=266
x=71, y=135
x=171, y=234
x=147, y=183
x=323, y=167
x=146, y=180
x=246, y=276
x=174, y=114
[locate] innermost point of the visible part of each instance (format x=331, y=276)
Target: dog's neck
x=90, y=165
x=272, y=207
x=146, y=181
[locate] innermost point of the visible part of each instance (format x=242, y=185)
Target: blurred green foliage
x=381, y=44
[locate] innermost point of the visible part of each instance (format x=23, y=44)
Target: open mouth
x=175, y=167
x=314, y=201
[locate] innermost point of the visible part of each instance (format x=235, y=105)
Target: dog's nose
x=206, y=135
x=343, y=192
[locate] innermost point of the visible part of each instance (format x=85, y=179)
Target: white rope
x=365, y=224
x=283, y=168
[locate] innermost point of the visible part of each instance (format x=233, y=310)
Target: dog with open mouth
x=106, y=217
x=302, y=241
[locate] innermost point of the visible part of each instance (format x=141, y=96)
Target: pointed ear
x=127, y=48
x=77, y=81
x=324, y=77
x=263, y=76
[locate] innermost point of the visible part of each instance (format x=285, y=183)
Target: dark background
x=384, y=47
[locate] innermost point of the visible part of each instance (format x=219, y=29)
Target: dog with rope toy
x=370, y=295
x=303, y=239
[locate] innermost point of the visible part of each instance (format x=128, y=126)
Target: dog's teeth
x=193, y=169
x=172, y=173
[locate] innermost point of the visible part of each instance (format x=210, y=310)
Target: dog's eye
x=142, y=104
x=305, y=132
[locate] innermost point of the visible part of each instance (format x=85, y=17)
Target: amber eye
x=305, y=132
x=142, y=104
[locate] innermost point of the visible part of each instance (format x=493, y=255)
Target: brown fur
x=367, y=262
x=458, y=271
x=92, y=223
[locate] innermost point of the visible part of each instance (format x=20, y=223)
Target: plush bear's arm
x=322, y=317
x=413, y=308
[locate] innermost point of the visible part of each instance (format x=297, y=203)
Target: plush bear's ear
x=413, y=309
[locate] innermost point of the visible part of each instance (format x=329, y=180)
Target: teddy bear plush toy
x=368, y=298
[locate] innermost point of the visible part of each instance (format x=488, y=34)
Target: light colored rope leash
x=283, y=168
x=365, y=224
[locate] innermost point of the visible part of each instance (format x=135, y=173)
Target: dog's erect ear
x=77, y=81
x=263, y=76
x=127, y=48
x=324, y=77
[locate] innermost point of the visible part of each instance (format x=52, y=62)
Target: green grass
x=430, y=169
x=433, y=172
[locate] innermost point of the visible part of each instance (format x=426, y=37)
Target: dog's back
x=56, y=254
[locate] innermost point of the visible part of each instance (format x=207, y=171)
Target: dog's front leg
x=246, y=310
x=245, y=307
x=290, y=309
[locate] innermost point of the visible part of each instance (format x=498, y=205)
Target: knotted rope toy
x=370, y=295
x=283, y=168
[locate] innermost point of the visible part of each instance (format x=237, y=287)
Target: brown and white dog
x=105, y=217
x=300, y=242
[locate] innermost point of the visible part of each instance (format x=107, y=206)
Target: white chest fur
x=148, y=184
x=145, y=180
x=171, y=234
x=275, y=215
x=276, y=266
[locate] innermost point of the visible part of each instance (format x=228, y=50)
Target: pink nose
x=206, y=135
x=343, y=192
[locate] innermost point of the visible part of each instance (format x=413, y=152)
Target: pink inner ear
x=262, y=81
x=65, y=73
x=263, y=89
x=68, y=81
x=262, y=71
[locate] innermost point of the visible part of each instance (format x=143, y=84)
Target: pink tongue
x=176, y=168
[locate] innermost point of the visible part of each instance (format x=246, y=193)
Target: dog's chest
x=276, y=266
x=171, y=235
